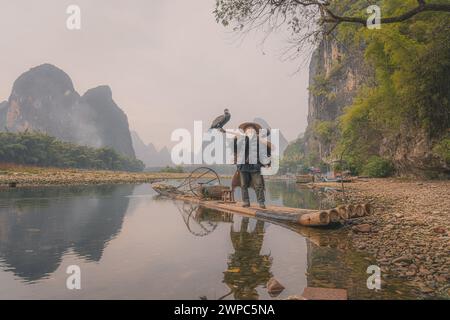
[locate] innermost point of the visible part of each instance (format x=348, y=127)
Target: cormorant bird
x=221, y=121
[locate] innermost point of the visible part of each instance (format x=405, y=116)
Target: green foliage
x=324, y=130
x=410, y=90
x=377, y=167
x=294, y=151
x=293, y=156
x=320, y=86
x=297, y=160
x=359, y=139
x=442, y=149
x=39, y=149
x=177, y=169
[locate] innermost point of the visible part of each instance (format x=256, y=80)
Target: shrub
x=442, y=149
x=177, y=169
x=377, y=167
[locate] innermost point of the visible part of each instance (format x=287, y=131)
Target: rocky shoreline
x=408, y=233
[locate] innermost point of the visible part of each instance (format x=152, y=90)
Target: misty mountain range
x=44, y=99
x=148, y=153
x=153, y=158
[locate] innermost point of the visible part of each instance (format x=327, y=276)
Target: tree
x=40, y=149
x=309, y=20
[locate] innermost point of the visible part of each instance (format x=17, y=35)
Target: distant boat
x=338, y=179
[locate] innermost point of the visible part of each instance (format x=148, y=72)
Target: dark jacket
x=249, y=167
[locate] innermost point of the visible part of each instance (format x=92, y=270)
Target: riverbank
x=409, y=231
x=19, y=176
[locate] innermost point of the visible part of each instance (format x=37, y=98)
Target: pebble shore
x=408, y=233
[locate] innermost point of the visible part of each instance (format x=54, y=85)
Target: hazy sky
x=167, y=61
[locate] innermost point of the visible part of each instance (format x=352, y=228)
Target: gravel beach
x=29, y=177
x=409, y=231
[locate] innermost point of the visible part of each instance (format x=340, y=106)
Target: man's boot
x=245, y=197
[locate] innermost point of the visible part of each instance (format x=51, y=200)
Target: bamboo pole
x=351, y=211
x=334, y=215
x=315, y=219
x=343, y=213
x=360, y=211
x=368, y=208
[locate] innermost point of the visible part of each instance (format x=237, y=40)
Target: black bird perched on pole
x=220, y=121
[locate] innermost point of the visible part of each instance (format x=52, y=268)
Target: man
x=249, y=168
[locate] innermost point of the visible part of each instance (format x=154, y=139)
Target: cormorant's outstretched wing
x=218, y=122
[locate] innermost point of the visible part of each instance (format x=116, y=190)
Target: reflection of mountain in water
x=38, y=226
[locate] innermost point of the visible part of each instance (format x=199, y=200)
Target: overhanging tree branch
x=422, y=7
x=332, y=17
x=307, y=20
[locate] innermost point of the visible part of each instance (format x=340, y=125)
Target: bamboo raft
x=212, y=195
x=304, y=217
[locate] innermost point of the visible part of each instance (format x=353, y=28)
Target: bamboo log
x=351, y=211
x=334, y=215
x=343, y=214
x=315, y=219
x=368, y=208
x=291, y=210
x=279, y=216
x=360, y=211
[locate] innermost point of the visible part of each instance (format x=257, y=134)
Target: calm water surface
x=131, y=244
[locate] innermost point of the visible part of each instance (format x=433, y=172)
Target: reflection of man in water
x=247, y=268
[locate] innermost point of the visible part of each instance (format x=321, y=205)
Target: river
x=131, y=244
